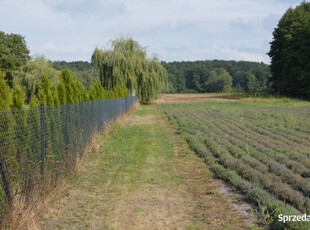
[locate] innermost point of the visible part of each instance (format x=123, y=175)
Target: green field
x=260, y=147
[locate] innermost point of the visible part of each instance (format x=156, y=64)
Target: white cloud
x=70, y=50
x=234, y=54
x=174, y=29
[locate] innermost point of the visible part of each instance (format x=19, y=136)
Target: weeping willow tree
x=126, y=63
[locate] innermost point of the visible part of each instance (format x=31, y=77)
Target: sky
x=174, y=30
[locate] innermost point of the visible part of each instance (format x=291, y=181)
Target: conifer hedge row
x=40, y=141
x=69, y=90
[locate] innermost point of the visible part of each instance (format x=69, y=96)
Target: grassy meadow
x=259, y=145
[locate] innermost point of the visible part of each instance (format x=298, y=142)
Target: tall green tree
x=290, y=53
x=247, y=81
x=30, y=74
x=200, y=74
x=18, y=98
x=45, y=95
x=13, y=54
x=6, y=98
x=62, y=94
x=126, y=63
x=251, y=83
x=218, y=81
x=67, y=80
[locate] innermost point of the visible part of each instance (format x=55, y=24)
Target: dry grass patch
x=188, y=98
x=141, y=120
x=152, y=207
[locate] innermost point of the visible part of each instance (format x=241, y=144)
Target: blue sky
x=175, y=30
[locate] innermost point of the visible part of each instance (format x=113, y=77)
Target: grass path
x=143, y=177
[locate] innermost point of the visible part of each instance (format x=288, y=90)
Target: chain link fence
x=39, y=146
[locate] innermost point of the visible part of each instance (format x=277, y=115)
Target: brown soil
x=189, y=98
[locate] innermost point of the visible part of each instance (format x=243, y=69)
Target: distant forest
x=217, y=76
x=84, y=70
x=194, y=77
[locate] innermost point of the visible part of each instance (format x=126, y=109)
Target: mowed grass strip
x=142, y=177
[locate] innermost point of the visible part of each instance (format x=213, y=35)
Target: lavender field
x=262, y=148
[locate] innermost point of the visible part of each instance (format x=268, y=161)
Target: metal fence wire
x=39, y=146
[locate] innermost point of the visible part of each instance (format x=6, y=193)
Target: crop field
x=260, y=147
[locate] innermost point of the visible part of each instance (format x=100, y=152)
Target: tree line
x=197, y=77
x=288, y=73
x=290, y=53
x=28, y=81
x=67, y=90
x=217, y=76
x=84, y=70
x=126, y=64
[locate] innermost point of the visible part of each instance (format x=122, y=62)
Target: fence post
x=42, y=137
x=92, y=112
x=114, y=108
x=68, y=124
x=4, y=181
x=126, y=105
x=82, y=117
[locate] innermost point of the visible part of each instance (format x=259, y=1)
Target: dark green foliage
x=18, y=98
x=218, y=81
x=67, y=80
x=45, y=95
x=5, y=93
x=120, y=91
x=79, y=90
x=247, y=82
x=33, y=102
x=97, y=92
x=6, y=127
x=13, y=54
x=290, y=53
x=71, y=90
x=191, y=76
x=55, y=94
x=62, y=94
x=84, y=71
x=74, y=66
